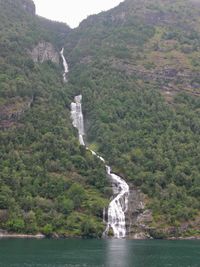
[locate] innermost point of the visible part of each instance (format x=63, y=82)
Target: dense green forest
x=137, y=67
x=48, y=183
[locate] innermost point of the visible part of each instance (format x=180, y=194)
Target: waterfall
x=119, y=204
x=77, y=117
x=65, y=65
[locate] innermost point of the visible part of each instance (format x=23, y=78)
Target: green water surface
x=98, y=253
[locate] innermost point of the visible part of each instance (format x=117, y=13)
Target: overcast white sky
x=72, y=12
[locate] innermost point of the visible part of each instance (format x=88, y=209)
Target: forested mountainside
x=48, y=183
x=137, y=67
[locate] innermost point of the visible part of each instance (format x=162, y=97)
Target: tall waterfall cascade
x=77, y=117
x=119, y=203
x=65, y=65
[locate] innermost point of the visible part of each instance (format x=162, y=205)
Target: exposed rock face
x=5, y=234
x=170, y=79
x=29, y=6
x=45, y=51
x=13, y=110
x=139, y=222
x=138, y=217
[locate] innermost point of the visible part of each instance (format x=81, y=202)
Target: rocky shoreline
x=5, y=234
x=184, y=238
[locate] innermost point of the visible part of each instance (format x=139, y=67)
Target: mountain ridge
x=48, y=184
x=144, y=54
x=137, y=69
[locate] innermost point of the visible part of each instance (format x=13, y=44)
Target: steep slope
x=137, y=69
x=48, y=183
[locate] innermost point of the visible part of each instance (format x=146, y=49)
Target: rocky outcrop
x=12, y=110
x=44, y=51
x=139, y=221
x=5, y=234
x=28, y=6
x=169, y=79
x=138, y=217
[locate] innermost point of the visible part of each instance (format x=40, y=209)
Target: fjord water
x=98, y=253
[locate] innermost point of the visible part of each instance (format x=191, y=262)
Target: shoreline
x=21, y=236
x=184, y=238
x=41, y=236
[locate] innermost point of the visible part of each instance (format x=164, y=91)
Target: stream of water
x=119, y=203
x=65, y=65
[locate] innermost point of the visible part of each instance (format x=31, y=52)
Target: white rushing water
x=65, y=65
x=119, y=204
x=77, y=117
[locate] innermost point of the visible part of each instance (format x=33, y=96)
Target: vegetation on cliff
x=137, y=67
x=139, y=74
x=48, y=183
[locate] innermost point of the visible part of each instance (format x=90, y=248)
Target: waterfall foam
x=118, y=206
x=77, y=117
